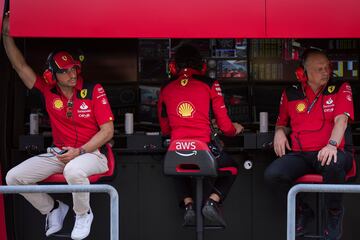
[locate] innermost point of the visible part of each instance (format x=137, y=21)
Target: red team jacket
x=90, y=109
x=184, y=107
x=311, y=130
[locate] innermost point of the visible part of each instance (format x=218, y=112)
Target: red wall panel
x=2, y=213
x=313, y=19
x=1, y=12
x=138, y=18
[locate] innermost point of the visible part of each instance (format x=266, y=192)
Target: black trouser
x=282, y=173
x=185, y=186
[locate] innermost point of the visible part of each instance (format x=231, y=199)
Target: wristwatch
x=333, y=143
x=82, y=151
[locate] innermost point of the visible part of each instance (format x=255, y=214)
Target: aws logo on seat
x=185, y=110
x=186, y=146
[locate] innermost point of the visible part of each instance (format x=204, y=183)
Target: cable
x=322, y=122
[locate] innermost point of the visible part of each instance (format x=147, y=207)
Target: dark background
x=148, y=206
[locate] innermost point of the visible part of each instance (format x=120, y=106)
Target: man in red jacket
x=184, y=108
x=317, y=110
x=81, y=121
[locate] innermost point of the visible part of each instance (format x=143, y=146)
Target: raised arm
x=16, y=58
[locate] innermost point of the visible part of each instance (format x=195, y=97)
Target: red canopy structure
x=186, y=19
x=2, y=213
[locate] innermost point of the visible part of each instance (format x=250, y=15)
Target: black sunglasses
x=69, y=108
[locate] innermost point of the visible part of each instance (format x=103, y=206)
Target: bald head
x=314, y=56
x=317, y=67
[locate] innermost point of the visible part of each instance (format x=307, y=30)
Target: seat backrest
x=349, y=148
x=111, y=160
x=352, y=174
x=188, y=157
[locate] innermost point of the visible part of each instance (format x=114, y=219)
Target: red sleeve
x=162, y=116
x=344, y=101
x=101, y=106
x=283, y=118
x=220, y=111
x=40, y=84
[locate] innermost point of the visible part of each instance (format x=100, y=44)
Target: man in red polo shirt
x=317, y=111
x=81, y=122
x=184, y=107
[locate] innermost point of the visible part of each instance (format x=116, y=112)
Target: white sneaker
x=55, y=218
x=82, y=226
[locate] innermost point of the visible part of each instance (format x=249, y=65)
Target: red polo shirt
x=187, y=102
x=90, y=110
x=311, y=130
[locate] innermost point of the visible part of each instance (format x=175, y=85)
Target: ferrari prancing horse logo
x=331, y=88
x=83, y=93
x=184, y=81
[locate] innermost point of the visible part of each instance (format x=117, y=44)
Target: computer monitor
x=149, y=96
x=232, y=69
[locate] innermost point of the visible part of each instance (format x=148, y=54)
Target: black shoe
x=212, y=212
x=333, y=229
x=304, y=215
x=189, y=215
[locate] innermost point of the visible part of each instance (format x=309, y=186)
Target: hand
x=5, y=27
x=326, y=154
x=280, y=142
x=239, y=128
x=214, y=124
x=69, y=155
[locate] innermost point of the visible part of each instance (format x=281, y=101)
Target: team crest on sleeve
x=300, y=107
x=58, y=104
x=83, y=93
x=100, y=90
x=331, y=88
x=185, y=110
x=184, y=82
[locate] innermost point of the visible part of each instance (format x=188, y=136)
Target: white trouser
x=76, y=171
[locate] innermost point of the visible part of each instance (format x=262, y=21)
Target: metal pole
x=96, y=188
x=335, y=188
x=199, y=199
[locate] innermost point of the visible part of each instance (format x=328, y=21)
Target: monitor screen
x=229, y=48
x=148, y=104
x=232, y=69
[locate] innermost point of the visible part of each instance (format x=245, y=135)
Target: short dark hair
x=188, y=56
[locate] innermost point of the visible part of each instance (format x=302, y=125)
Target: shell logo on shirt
x=58, y=104
x=186, y=110
x=184, y=82
x=300, y=107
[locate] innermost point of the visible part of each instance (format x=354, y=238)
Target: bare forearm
x=286, y=130
x=18, y=62
x=15, y=56
x=99, y=139
x=339, y=128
